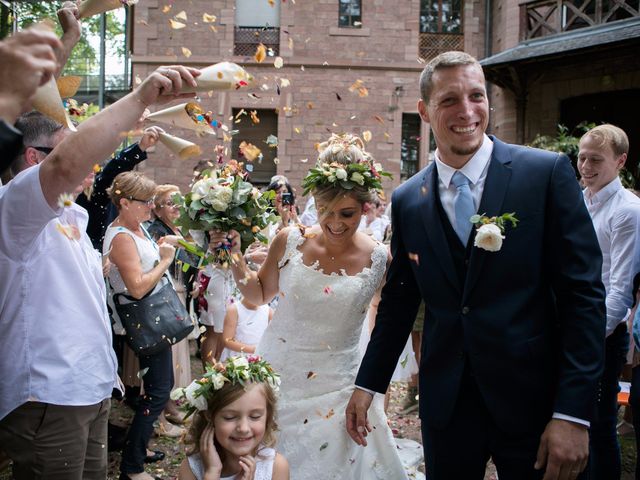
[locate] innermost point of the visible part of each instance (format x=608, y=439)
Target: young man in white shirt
x=615, y=212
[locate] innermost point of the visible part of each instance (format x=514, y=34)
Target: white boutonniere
x=490, y=230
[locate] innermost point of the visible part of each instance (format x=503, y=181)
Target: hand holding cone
x=221, y=76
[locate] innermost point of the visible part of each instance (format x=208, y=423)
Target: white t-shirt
x=56, y=334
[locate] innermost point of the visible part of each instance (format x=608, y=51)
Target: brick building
x=548, y=62
x=327, y=46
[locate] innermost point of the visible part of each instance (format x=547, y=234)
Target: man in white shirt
x=57, y=368
x=615, y=212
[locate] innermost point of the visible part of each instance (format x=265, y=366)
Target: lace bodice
x=313, y=342
x=329, y=308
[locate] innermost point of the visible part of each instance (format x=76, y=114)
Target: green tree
x=84, y=58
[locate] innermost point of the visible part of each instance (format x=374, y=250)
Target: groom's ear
x=422, y=110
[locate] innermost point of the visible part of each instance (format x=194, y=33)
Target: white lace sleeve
x=294, y=240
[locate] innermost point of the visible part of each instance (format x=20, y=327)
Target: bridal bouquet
x=223, y=200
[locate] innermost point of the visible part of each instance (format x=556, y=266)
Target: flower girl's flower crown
x=344, y=163
x=235, y=370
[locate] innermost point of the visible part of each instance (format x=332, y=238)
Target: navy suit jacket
x=529, y=319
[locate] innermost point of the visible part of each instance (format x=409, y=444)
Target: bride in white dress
x=325, y=278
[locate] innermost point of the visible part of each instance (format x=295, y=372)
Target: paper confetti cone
x=178, y=117
x=68, y=86
x=89, y=8
x=47, y=101
x=221, y=76
x=181, y=147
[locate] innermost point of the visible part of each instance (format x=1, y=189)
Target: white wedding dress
x=313, y=343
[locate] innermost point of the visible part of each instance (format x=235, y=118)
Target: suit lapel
x=433, y=225
x=495, y=188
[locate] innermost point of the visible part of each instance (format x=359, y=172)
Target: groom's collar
x=473, y=169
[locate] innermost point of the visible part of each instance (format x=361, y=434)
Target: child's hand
x=248, y=465
x=209, y=454
x=195, y=293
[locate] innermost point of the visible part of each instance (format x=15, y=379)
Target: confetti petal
x=206, y=18
x=278, y=62
x=176, y=25
x=186, y=52
x=166, y=8
x=366, y=136
x=261, y=53
x=181, y=16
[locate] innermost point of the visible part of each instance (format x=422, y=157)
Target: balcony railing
x=247, y=39
x=539, y=18
x=116, y=77
x=433, y=44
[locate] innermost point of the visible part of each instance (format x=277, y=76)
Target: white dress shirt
x=615, y=212
x=56, y=335
x=475, y=170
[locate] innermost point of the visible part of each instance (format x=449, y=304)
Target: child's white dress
x=250, y=327
x=264, y=465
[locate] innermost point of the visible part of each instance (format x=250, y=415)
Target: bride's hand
x=358, y=425
x=219, y=238
x=210, y=458
x=248, y=465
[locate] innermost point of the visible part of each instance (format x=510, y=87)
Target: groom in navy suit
x=514, y=330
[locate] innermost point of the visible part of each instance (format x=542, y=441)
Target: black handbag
x=154, y=322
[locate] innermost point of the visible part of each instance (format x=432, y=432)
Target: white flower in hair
x=218, y=381
x=177, y=394
x=341, y=174
x=240, y=362
x=358, y=178
x=198, y=402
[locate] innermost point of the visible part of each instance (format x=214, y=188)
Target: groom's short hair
x=444, y=60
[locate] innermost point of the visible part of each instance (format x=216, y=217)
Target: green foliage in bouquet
x=223, y=200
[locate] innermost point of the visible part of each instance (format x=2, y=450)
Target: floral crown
x=343, y=162
x=235, y=371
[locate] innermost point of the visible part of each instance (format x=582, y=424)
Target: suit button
x=465, y=310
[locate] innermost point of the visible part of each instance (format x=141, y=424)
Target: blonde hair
x=611, y=135
x=161, y=192
x=342, y=149
x=228, y=394
x=131, y=185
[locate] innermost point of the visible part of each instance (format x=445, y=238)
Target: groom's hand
x=357, y=424
x=564, y=449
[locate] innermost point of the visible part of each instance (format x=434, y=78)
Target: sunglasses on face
x=45, y=150
x=149, y=202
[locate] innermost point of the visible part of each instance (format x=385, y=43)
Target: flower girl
x=232, y=434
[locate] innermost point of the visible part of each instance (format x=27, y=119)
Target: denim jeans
x=158, y=382
x=604, y=448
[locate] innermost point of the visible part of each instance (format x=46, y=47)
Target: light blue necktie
x=463, y=205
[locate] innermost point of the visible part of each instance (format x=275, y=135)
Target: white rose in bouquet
x=201, y=189
x=196, y=401
x=489, y=237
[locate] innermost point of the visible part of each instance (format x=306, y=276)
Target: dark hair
x=37, y=129
x=279, y=181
